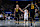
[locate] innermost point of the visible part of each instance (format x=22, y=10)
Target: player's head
x=31, y=3
x=35, y=3
x=17, y=6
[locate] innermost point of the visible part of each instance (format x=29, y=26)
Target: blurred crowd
x=37, y=14
x=7, y=11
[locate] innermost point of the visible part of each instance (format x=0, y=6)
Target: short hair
x=17, y=4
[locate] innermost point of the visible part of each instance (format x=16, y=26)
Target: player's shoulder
x=14, y=8
x=24, y=10
x=19, y=8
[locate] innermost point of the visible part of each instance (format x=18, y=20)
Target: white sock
x=27, y=23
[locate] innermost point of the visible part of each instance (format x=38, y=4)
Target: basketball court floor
x=12, y=23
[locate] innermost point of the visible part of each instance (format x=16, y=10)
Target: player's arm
x=21, y=10
x=14, y=11
x=27, y=6
x=36, y=5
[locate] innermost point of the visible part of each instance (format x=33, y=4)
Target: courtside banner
x=8, y=12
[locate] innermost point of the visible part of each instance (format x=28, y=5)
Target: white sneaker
x=30, y=26
x=27, y=23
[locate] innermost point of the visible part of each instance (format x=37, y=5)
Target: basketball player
x=16, y=12
x=32, y=10
x=25, y=16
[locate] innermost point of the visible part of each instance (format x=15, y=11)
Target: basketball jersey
x=32, y=6
x=25, y=15
x=25, y=12
x=16, y=10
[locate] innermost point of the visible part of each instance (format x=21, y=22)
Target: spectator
x=36, y=15
x=1, y=16
x=8, y=16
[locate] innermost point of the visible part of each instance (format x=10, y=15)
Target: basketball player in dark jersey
x=32, y=10
x=16, y=12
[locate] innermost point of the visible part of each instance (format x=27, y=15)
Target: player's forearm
x=27, y=6
x=36, y=5
x=14, y=13
x=22, y=11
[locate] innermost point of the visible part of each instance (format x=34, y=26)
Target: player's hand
x=14, y=14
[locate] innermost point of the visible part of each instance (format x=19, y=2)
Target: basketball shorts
x=25, y=17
